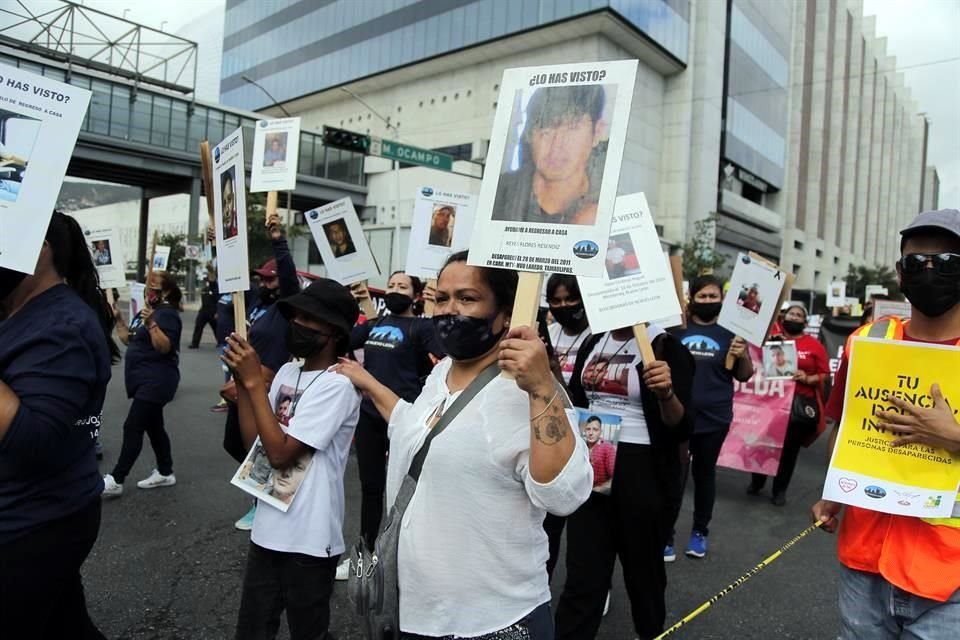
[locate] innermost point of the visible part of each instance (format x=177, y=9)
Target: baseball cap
x=326, y=300
x=268, y=270
x=942, y=219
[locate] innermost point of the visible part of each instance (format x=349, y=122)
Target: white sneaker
x=155, y=480
x=606, y=605
x=343, y=570
x=110, y=487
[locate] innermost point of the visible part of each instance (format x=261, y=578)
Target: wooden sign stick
x=272, y=199
x=526, y=303
x=153, y=254
x=365, y=302
x=206, y=169
x=676, y=267
x=429, y=305
x=643, y=342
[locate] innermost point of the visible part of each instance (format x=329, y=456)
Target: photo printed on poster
x=230, y=213
x=107, y=257
x=339, y=238
x=442, y=224
x=751, y=301
x=276, y=149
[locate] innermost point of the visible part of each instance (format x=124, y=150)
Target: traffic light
x=343, y=139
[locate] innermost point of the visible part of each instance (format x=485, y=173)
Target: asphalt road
x=169, y=564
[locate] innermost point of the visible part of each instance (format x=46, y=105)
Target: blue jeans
x=871, y=607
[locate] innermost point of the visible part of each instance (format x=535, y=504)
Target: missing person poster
x=637, y=284
x=751, y=302
x=39, y=122
x=161, y=258
x=106, y=257
x=230, y=214
x=442, y=224
x=138, y=292
x=276, y=148
x=550, y=183
x=865, y=470
x=601, y=432
x=339, y=237
x=837, y=294
x=276, y=487
x=780, y=360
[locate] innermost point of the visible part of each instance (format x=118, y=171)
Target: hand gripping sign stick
x=239, y=301
x=429, y=305
x=739, y=581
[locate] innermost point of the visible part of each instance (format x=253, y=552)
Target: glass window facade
x=298, y=47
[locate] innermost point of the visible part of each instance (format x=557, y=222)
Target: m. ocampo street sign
x=410, y=154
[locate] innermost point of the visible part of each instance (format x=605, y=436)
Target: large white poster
x=342, y=245
x=637, y=284
x=752, y=300
x=442, y=224
x=276, y=148
x=230, y=213
x=107, y=257
x=550, y=183
x=39, y=122
x=161, y=258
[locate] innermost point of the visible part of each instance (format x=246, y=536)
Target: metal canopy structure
x=81, y=36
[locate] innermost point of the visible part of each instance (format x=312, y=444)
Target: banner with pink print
x=761, y=411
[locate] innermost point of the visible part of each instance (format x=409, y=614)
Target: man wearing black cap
x=901, y=575
x=305, y=425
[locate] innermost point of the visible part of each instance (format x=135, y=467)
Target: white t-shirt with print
x=566, y=347
x=321, y=412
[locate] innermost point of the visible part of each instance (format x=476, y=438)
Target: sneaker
x=697, y=547
x=779, y=499
x=606, y=605
x=343, y=570
x=155, y=480
x=220, y=407
x=110, y=487
x=753, y=490
x=669, y=553
x=246, y=522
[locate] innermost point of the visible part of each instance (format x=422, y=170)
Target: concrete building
x=785, y=119
x=930, y=198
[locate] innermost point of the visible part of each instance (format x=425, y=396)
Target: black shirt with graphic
x=712, y=382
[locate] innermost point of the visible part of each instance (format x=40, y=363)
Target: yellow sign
x=865, y=471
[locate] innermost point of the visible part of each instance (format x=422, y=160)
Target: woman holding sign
x=472, y=548
x=632, y=521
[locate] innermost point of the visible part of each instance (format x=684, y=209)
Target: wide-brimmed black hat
x=325, y=300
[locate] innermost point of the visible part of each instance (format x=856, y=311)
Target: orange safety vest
x=918, y=555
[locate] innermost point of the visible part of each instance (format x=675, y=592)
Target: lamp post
x=276, y=103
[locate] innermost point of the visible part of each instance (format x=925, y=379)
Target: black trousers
x=276, y=581
x=143, y=417
x=704, y=449
x=232, y=438
x=631, y=523
x=372, y=446
x=204, y=319
x=797, y=434
x=553, y=526
x=41, y=592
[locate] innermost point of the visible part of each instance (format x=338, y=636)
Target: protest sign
x=230, y=214
x=752, y=301
x=601, y=432
x=779, y=359
x=339, y=237
x=276, y=487
x=138, y=292
x=637, y=284
x=106, y=257
x=865, y=471
x=442, y=223
x=161, y=258
x=761, y=412
x=193, y=252
x=276, y=148
x=548, y=191
x=883, y=308
x=39, y=122
x=875, y=290
x=837, y=294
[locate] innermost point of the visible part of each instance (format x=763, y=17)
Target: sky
x=922, y=34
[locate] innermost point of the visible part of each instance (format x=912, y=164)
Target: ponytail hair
x=171, y=292
x=73, y=263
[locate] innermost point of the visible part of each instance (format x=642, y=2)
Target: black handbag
x=373, y=583
x=805, y=411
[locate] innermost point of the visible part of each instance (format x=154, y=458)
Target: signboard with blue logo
x=339, y=237
x=550, y=183
x=230, y=214
x=276, y=148
x=107, y=256
x=442, y=224
x=637, y=284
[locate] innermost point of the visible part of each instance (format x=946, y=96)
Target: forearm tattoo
x=552, y=426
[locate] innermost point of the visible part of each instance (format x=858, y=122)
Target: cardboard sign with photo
x=895, y=308
x=39, y=122
x=138, y=292
x=276, y=149
x=442, y=223
x=339, y=237
x=780, y=359
x=106, y=257
x=753, y=298
x=230, y=212
x=161, y=258
x=837, y=294
x=276, y=487
x=549, y=187
x=638, y=284
x=601, y=432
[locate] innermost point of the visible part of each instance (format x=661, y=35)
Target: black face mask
x=397, y=302
x=269, y=296
x=303, y=342
x=466, y=337
x=793, y=327
x=570, y=316
x=706, y=311
x=931, y=293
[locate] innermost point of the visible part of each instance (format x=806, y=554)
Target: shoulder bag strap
x=462, y=400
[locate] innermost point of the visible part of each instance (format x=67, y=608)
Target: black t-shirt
x=150, y=375
x=712, y=383
x=54, y=357
x=395, y=351
x=208, y=299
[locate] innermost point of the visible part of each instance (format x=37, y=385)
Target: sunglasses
x=945, y=264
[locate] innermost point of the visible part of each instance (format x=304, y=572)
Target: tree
x=177, y=264
x=700, y=254
x=858, y=277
